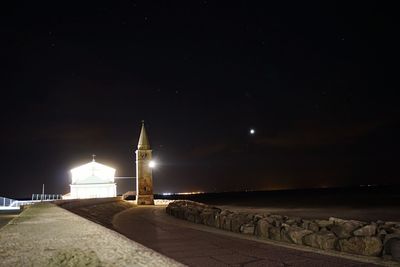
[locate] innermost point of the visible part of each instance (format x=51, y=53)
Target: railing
x=8, y=204
x=12, y=204
x=46, y=197
x=5, y=202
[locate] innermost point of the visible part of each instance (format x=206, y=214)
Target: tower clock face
x=143, y=155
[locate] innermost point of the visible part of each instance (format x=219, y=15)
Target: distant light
x=190, y=193
x=252, y=131
x=152, y=164
x=182, y=193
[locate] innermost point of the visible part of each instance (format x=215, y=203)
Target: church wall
x=93, y=191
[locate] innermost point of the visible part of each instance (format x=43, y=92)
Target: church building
x=93, y=180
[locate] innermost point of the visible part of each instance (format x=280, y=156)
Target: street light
x=152, y=164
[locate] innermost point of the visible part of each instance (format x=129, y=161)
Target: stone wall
x=379, y=239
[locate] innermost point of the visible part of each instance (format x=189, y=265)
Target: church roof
x=143, y=139
x=93, y=173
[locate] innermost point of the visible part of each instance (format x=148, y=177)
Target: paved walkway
x=198, y=245
x=47, y=235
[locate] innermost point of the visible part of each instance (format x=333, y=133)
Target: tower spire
x=143, y=139
x=144, y=176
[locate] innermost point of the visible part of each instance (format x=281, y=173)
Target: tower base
x=144, y=200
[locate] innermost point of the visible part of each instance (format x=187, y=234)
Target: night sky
x=316, y=81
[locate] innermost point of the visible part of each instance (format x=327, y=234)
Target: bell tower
x=144, y=176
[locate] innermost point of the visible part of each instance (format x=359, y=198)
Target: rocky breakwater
x=378, y=239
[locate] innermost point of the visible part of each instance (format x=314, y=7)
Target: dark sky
x=317, y=81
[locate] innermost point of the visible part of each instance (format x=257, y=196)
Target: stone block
x=284, y=230
x=258, y=217
x=270, y=219
x=321, y=240
x=296, y=234
x=276, y=217
x=209, y=217
x=225, y=219
x=324, y=223
x=305, y=224
x=381, y=234
x=392, y=247
x=192, y=215
x=368, y=230
x=274, y=233
x=293, y=221
x=247, y=229
x=367, y=246
x=313, y=227
x=262, y=228
x=238, y=219
x=336, y=220
x=345, y=229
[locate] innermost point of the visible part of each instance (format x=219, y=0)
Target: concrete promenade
x=47, y=235
x=199, y=245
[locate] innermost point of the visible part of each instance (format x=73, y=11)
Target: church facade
x=93, y=180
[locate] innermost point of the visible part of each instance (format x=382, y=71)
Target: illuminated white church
x=93, y=180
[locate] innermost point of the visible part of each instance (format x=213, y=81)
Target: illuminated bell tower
x=144, y=177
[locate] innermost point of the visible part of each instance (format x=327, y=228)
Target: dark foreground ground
x=199, y=245
x=360, y=203
x=6, y=216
